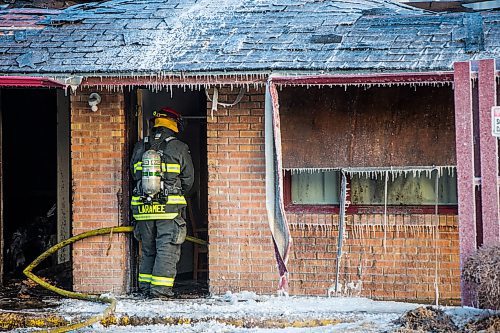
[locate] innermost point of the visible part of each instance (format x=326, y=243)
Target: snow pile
x=249, y=312
x=243, y=296
x=462, y=315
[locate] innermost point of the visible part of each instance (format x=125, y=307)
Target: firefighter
x=162, y=168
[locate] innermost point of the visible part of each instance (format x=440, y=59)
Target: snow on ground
x=215, y=327
x=214, y=314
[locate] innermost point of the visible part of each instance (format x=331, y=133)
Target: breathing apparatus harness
x=153, y=187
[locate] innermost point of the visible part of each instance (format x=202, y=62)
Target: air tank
x=151, y=173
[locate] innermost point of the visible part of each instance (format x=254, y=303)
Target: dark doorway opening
x=34, y=178
x=192, y=270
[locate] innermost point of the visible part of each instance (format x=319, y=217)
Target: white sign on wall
x=495, y=120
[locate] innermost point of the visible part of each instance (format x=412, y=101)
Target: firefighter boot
x=164, y=293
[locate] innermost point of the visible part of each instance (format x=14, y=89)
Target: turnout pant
x=161, y=249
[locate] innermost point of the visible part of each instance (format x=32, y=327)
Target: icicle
x=385, y=211
x=341, y=225
x=436, y=236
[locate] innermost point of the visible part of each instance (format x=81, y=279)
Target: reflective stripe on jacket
x=155, y=210
x=165, y=167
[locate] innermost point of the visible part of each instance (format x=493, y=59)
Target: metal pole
x=343, y=199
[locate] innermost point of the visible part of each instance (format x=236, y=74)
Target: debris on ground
x=426, y=319
x=490, y=324
x=29, y=240
x=482, y=270
x=237, y=312
x=187, y=289
x=12, y=320
x=248, y=322
x=247, y=312
x=24, y=294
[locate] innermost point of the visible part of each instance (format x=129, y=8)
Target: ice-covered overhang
x=367, y=79
x=202, y=80
x=28, y=81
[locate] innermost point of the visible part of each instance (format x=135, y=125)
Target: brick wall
x=402, y=269
x=98, y=153
x=241, y=256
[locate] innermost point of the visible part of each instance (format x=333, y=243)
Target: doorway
x=192, y=269
x=35, y=181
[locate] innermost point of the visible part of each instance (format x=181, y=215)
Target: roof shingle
x=152, y=36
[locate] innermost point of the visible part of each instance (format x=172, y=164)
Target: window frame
x=358, y=209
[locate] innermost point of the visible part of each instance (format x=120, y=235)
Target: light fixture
x=94, y=100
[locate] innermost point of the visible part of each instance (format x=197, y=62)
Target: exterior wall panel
x=241, y=252
x=376, y=127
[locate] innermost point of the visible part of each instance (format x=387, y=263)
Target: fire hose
x=83, y=296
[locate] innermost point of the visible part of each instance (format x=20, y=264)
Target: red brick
x=94, y=149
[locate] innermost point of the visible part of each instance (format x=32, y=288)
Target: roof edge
x=207, y=79
x=276, y=78
x=29, y=81
x=383, y=79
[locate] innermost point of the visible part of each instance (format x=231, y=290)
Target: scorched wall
x=241, y=255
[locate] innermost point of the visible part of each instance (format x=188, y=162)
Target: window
x=322, y=188
x=316, y=188
x=404, y=189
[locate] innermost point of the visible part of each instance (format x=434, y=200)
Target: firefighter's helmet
x=167, y=112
